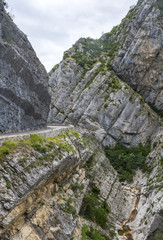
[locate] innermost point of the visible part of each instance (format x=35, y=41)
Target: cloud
x=52, y=26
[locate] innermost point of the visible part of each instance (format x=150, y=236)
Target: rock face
x=46, y=184
x=103, y=87
x=149, y=220
x=139, y=60
x=24, y=97
x=101, y=103
x=64, y=187
x=88, y=93
x=32, y=171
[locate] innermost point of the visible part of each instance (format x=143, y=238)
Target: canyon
x=96, y=170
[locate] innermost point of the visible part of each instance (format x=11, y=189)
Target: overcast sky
x=53, y=26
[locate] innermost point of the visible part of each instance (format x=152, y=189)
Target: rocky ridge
x=139, y=58
x=24, y=96
x=87, y=90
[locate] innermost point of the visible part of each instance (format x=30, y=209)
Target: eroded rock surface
x=86, y=87
x=46, y=186
x=29, y=176
x=139, y=60
x=24, y=97
x=101, y=103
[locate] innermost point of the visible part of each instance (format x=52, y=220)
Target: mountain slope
x=86, y=86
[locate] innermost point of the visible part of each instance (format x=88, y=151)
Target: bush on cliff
x=127, y=160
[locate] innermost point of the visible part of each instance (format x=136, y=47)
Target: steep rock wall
x=24, y=97
x=45, y=184
x=30, y=172
x=86, y=86
x=100, y=103
x=139, y=60
x=42, y=192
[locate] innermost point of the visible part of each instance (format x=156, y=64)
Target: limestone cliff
x=140, y=56
x=30, y=173
x=65, y=187
x=49, y=186
x=24, y=97
x=87, y=88
x=103, y=88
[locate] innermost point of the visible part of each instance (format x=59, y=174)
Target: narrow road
x=46, y=132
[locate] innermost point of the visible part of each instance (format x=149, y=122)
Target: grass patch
x=10, y=144
x=75, y=134
x=4, y=151
x=49, y=147
x=88, y=232
x=7, y=148
x=127, y=160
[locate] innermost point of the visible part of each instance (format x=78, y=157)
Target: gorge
x=99, y=174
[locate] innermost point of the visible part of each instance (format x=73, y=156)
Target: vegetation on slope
x=159, y=4
x=88, y=233
x=94, y=209
x=127, y=160
x=159, y=235
x=48, y=147
x=155, y=109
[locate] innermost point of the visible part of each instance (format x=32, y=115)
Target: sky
x=53, y=26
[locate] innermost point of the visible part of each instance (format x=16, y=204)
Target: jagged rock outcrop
x=24, y=97
x=101, y=103
x=30, y=172
x=43, y=184
x=87, y=93
x=139, y=59
x=46, y=184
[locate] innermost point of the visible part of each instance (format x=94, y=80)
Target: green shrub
x=76, y=186
x=95, y=210
x=50, y=145
x=36, y=138
x=155, y=109
x=127, y=160
x=68, y=207
x=88, y=232
x=8, y=185
x=40, y=148
x=10, y=144
x=4, y=151
x=75, y=134
x=159, y=235
x=24, y=159
x=95, y=189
